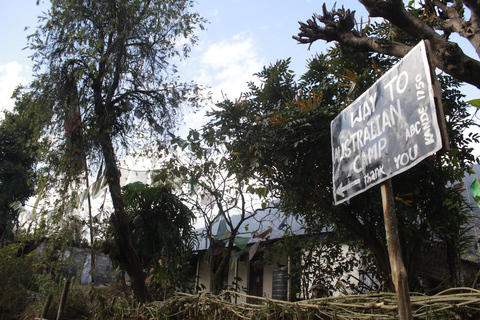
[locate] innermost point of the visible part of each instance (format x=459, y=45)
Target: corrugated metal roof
x=262, y=221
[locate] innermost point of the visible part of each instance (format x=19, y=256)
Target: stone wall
x=80, y=266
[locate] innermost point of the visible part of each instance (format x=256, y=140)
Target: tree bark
x=127, y=249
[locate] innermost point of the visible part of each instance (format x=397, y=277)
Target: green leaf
x=475, y=103
x=136, y=186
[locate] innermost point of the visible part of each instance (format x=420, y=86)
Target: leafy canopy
x=17, y=170
x=280, y=134
x=107, y=67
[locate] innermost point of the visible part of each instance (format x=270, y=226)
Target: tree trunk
x=217, y=274
x=127, y=249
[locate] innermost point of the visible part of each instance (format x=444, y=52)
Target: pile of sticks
x=462, y=303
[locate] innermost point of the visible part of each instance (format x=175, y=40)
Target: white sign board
x=390, y=128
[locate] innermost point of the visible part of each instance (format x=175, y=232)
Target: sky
x=241, y=37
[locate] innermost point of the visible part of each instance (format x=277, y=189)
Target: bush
x=16, y=280
x=26, y=280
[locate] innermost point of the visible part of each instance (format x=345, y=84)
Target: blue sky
x=241, y=37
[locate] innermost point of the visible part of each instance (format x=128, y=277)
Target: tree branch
x=446, y=55
x=473, y=31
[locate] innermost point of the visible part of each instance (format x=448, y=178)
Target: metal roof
x=260, y=222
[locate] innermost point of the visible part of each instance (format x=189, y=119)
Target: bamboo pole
x=90, y=224
x=449, y=303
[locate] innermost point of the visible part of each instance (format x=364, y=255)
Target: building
x=246, y=272
x=250, y=270
x=75, y=262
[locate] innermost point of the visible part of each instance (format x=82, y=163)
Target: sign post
x=399, y=273
x=389, y=129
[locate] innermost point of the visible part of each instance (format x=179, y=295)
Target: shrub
x=16, y=280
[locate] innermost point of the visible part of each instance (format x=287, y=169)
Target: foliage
x=28, y=276
x=280, y=134
x=316, y=260
x=17, y=179
x=105, y=83
x=15, y=278
x=162, y=227
x=84, y=302
x=21, y=277
x=475, y=103
x=123, y=50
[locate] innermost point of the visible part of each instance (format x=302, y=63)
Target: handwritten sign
x=389, y=129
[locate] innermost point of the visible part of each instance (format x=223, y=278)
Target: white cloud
x=228, y=65
x=225, y=67
x=10, y=78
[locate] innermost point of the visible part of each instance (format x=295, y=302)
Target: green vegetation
x=280, y=135
x=105, y=80
x=17, y=177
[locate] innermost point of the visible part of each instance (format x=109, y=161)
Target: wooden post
x=399, y=273
x=63, y=299
x=46, y=306
x=289, y=281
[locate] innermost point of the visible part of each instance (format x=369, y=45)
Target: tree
x=318, y=260
x=104, y=82
x=17, y=173
x=430, y=20
x=280, y=134
x=163, y=228
x=423, y=22
x=198, y=168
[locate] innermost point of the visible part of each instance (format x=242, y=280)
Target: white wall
x=241, y=269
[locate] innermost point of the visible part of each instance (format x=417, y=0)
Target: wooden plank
x=437, y=91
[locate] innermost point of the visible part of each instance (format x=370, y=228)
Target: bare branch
x=311, y=32
x=446, y=55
